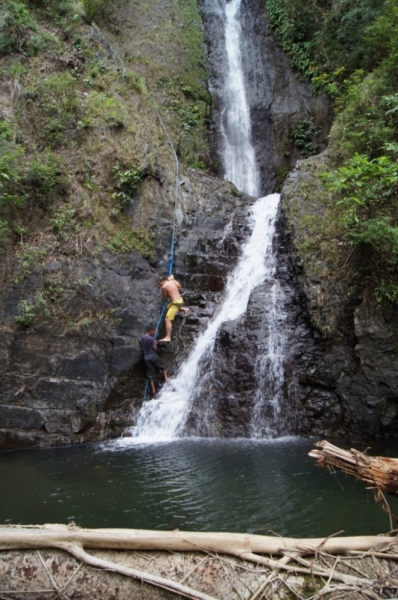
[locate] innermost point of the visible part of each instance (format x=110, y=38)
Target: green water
x=190, y=485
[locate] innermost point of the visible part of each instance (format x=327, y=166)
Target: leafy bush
x=136, y=82
x=24, y=179
x=127, y=238
x=90, y=8
x=19, y=31
x=11, y=193
x=322, y=36
x=366, y=123
x=303, y=135
x=41, y=174
x=367, y=192
x=382, y=37
x=30, y=312
x=63, y=220
x=127, y=181
x=365, y=186
x=55, y=103
x=59, y=92
x=16, y=24
x=104, y=108
x=4, y=231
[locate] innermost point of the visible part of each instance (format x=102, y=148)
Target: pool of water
x=203, y=485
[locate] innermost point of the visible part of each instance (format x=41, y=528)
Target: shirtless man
x=171, y=291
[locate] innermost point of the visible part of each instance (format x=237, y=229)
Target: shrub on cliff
x=367, y=192
x=350, y=49
x=326, y=39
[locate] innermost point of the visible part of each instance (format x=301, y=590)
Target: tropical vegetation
x=349, y=49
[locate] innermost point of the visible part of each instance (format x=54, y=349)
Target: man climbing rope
x=153, y=363
x=171, y=291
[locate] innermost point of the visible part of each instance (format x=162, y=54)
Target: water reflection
x=200, y=485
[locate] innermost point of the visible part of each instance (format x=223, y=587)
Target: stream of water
x=165, y=418
x=240, y=164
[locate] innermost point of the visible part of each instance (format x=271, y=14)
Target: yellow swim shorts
x=173, y=308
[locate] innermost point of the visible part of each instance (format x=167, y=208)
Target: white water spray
x=240, y=165
x=164, y=418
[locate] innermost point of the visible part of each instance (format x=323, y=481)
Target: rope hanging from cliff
x=170, y=264
x=169, y=142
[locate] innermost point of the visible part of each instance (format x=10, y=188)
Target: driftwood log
x=314, y=558
x=237, y=544
x=378, y=472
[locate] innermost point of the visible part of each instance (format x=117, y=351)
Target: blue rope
x=172, y=245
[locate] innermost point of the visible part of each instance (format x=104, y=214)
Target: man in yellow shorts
x=171, y=291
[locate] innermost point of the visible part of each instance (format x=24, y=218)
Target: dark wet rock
x=79, y=375
x=344, y=354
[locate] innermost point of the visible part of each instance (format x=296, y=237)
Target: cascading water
x=165, y=418
x=240, y=165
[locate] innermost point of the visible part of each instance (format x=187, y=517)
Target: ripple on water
x=224, y=485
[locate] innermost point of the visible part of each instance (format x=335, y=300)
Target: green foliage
x=190, y=106
x=363, y=150
x=368, y=120
x=21, y=178
x=366, y=186
x=193, y=39
x=64, y=220
x=4, y=232
x=59, y=90
x=26, y=313
x=322, y=36
x=16, y=24
x=127, y=181
x=53, y=291
x=103, y=108
x=90, y=8
x=382, y=37
x=367, y=192
x=29, y=257
x=19, y=31
x=31, y=312
x=55, y=103
x=135, y=82
x=11, y=192
x=303, y=135
x=127, y=238
x=41, y=174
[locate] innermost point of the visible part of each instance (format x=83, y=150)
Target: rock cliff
x=345, y=356
x=79, y=375
x=75, y=299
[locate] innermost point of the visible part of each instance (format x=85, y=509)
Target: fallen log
x=246, y=549
x=53, y=535
x=378, y=472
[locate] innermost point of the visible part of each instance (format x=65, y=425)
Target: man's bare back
x=171, y=292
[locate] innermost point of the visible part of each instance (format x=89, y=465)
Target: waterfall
x=164, y=418
x=240, y=165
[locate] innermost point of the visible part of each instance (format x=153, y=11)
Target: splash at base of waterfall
x=164, y=418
